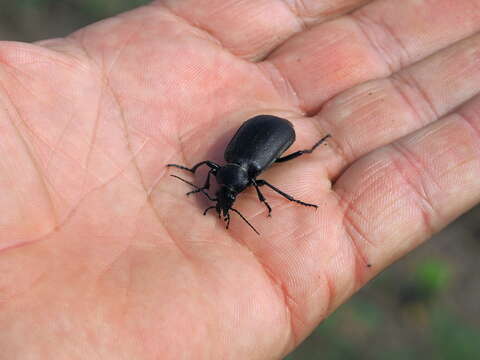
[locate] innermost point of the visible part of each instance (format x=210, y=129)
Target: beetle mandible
x=256, y=145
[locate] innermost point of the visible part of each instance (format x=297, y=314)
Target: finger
x=398, y=196
x=376, y=113
x=253, y=28
x=374, y=42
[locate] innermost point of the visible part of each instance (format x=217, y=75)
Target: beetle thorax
x=233, y=176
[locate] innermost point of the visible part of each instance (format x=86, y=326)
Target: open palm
x=102, y=255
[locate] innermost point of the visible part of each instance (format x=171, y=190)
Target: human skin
x=102, y=256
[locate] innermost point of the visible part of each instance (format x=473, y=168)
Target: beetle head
x=225, y=199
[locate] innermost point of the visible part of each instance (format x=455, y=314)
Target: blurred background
x=426, y=306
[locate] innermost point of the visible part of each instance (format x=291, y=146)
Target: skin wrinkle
x=361, y=264
x=78, y=39
x=329, y=296
x=284, y=297
x=349, y=208
x=7, y=173
x=52, y=149
x=397, y=85
x=270, y=71
x=140, y=132
x=347, y=220
x=71, y=213
x=426, y=208
x=92, y=139
x=34, y=162
x=55, y=46
x=20, y=83
x=298, y=100
x=376, y=50
x=90, y=149
x=72, y=64
x=106, y=83
x=121, y=50
x=469, y=121
x=348, y=226
x=193, y=133
x=367, y=26
x=152, y=206
x=114, y=261
x=281, y=85
x=124, y=127
x=295, y=13
x=196, y=27
x=120, y=170
x=56, y=148
x=178, y=244
x=406, y=78
x=415, y=164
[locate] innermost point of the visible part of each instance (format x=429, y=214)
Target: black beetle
x=256, y=145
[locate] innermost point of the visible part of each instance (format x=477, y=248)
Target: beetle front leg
x=210, y=164
x=196, y=187
x=261, y=197
x=285, y=195
x=301, y=152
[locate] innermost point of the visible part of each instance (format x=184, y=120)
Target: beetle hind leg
x=301, y=152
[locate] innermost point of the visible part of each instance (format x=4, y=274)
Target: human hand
x=102, y=255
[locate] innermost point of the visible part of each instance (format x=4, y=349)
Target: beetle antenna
x=196, y=187
x=243, y=217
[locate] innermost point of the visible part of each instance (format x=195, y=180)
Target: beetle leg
x=301, y=152
x=206, y=210
x=210, y=164
x=285, y=195
x=262, y=198
x=196, y=187
x=227, y=219
x=204, y=187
